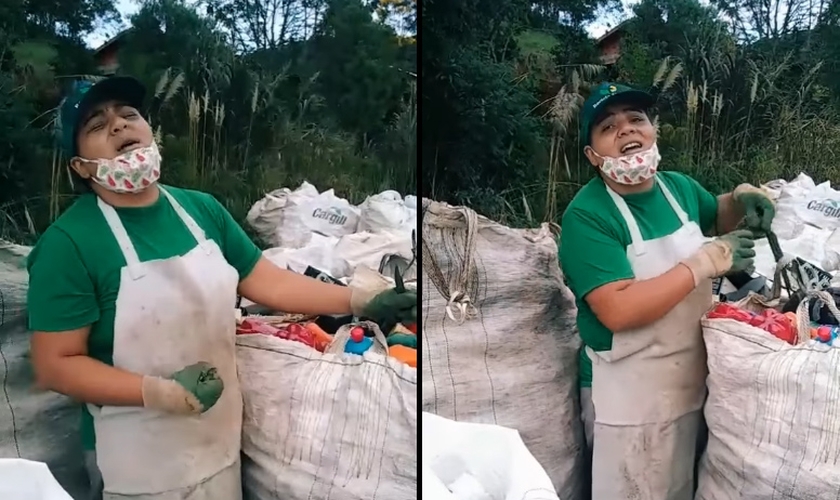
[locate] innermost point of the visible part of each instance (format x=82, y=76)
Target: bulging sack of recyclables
x=35, y=425
x=387, y=211
x=499, y=341
x=328, y=426
x=773, y=414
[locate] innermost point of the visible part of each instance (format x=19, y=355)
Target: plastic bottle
x=828, y=334
x=358, y=343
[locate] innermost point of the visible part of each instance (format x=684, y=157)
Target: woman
x=634, y=252
x=131, y=300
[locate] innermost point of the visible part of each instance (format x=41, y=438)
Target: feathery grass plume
x=219, y=113
x=717, y=104
x=574, y=83
x=691, y=100
x=162, y=82
x=174, y=87
x=660, y=71
x=672, y=77
x=564, y=109
x=193, y=109
x=255, y=97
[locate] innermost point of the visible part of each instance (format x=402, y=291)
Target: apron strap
x=635, y=233
x=633, y=226
x=192, y=225
x=117, y=228
x=673, y=202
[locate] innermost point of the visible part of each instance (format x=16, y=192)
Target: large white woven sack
x=773, y=414
x=328, y=426
x=513, y=360
x=35, y=425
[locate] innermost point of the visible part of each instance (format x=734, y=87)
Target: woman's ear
x=78, y=166
x=592, y=156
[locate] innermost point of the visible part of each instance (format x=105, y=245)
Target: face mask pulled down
x=632, y=169
x=129, y=172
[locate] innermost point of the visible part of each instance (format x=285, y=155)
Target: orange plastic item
x=404, y=354
x=322, y=338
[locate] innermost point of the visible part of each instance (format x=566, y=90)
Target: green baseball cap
x=602, y=96
x=84, y=95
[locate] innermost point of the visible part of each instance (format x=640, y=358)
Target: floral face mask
x=632, y=169
x=129, y=172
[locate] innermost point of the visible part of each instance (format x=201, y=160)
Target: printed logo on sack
x=829, y=208
x=331, y=216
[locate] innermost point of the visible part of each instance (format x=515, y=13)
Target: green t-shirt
x=74, y=269
x=594, y=241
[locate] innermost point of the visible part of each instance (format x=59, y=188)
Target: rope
x=462, y=225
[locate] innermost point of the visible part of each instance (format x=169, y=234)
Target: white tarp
x=464, y=461
x=331, y=426
x=28, y=480
x=34, y=425
x=772, y=413
x=513, y=361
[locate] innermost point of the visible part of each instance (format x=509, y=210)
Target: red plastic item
x=357, y=333
x=412, y=328
x=728, y=311
x=771, y=321
x=293, y=332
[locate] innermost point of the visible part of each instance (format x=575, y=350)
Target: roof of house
x=112, y=41
x=618, y=27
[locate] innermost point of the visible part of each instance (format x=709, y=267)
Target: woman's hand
x=758, y=207
x=193, y=390
x=386, y=308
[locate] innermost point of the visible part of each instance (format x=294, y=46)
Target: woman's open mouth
x=128, y=145
x=631, y=147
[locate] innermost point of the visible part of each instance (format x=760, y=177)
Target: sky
x=128, y=7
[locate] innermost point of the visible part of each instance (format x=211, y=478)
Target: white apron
x=172, y=313
x=648, y=390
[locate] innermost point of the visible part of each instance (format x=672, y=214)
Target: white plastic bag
x=271, y=213
x=479, y=462
x=329, y=215
x=287, y=219
x=772, y=416
x=801, y=202
x=330, y=425
x=387, y=211
x=28, y=480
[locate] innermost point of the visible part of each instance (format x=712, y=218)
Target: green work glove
x=192, y=390
x=386, y=308
x=758, y=207
x=730, y=252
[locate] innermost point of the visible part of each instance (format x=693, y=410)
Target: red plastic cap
x=357, y=333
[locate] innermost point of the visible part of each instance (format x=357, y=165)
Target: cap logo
x=612, y=89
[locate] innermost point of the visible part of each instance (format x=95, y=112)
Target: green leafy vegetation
x=747, y=91
x=245, y=97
